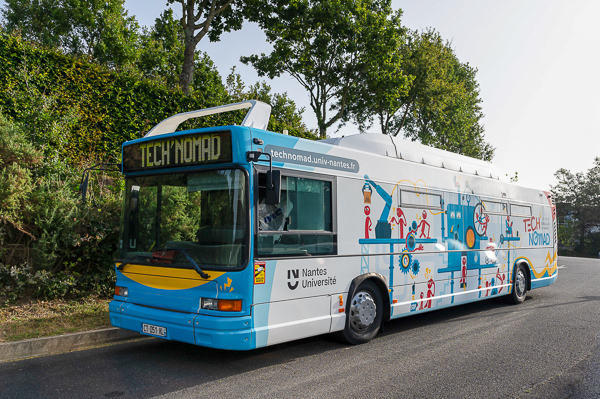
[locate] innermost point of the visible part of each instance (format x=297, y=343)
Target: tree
x=161, y=58
x=384, y=88
x=284, y=113
x=422, y=90
x=446, y=109
x=161, y=54
x=201, y=18
x=577, y=197
x=100, y=29
x=326, y=46
x=42, y=21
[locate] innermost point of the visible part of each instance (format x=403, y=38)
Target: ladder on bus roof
x=258, y=116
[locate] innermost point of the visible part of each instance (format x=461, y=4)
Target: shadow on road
x=149, y=367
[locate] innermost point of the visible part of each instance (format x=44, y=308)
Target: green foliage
x=104, y=108
x=161, y=54
x=577, y=198
x=50, y=245
x=445, y=112
x=421, y=89
x=100, y=29
x=201, y=18
x=59, y=114
x=385, y=83
x=284, y=113
x=17, y=157
x=325, y=46
x=89, y=111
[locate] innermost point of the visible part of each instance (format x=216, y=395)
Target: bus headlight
x=210, y=304
x=121, y=291
x=224, y=305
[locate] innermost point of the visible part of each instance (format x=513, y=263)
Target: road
x=547, y=347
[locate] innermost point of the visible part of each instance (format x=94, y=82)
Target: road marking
x=561, y=267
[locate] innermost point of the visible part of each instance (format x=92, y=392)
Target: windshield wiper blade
x=194, y=264
x=128, y=261
x=189, y=258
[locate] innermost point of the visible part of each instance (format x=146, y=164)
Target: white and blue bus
x=235, y=237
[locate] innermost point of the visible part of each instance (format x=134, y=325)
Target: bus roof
x=395, y=147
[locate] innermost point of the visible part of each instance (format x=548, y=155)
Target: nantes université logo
x=293, y=276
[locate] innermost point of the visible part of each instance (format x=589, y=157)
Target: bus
x=235, y=237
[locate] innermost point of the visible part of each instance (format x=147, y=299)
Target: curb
x=62, y=343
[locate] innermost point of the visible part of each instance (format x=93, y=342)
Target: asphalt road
x=547, y=347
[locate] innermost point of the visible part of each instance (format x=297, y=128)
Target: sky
x=537, y=63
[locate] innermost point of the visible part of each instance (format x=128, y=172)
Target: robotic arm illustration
x=383, y=228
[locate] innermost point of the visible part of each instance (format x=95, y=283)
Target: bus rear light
x=224, y=305
x=121, y=291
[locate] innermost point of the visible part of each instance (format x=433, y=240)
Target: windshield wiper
x=128, y=261
x=194, y=264
x=189, y=258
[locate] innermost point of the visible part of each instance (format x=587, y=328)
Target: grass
x=46, y=318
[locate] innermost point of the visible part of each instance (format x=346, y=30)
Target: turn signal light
x=224, y=305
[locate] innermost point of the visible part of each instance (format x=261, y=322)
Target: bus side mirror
x=84, y=185
x=85, y=177
x=273, y=192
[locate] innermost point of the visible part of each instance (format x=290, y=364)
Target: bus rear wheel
x=365, y=313
x=519, y=288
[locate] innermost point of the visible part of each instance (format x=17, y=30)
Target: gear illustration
x=405, y=262
x=411, y=242
x=415, y=267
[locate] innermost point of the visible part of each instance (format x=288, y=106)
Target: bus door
x=292, y=293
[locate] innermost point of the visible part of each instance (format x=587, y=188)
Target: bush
x=60, y=113
x=104, y=107
x=52, y=246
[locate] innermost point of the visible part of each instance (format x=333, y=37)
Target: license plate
x=154, y=330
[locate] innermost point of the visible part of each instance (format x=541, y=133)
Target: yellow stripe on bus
x=167, y=278
x=550, y=266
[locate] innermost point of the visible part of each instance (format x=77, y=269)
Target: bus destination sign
x=187, y=150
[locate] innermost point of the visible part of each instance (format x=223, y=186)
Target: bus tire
x=519, y=287
x=364, y=314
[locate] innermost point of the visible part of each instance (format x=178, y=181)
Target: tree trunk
x=187, y=72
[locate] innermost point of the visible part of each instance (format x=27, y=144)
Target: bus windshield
x=202, y=214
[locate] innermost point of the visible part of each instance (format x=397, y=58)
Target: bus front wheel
x=519, y=288
x=365, y=313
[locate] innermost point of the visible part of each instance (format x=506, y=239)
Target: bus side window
x=301, y=224
x=273, y=217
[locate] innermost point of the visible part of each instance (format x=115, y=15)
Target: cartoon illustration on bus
x=235, y=237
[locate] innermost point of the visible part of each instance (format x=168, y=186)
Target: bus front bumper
x=234, y=333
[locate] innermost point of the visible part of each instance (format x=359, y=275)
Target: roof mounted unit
x=395, y=147
x=257, y=116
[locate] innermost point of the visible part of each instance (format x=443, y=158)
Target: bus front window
x=203, y=213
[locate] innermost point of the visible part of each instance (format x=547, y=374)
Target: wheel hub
x=520, y=284
x=362, y=311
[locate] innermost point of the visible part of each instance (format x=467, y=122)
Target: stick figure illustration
x=400, y=221
x=368, y=223
x=430, y=293
x=424, y=225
